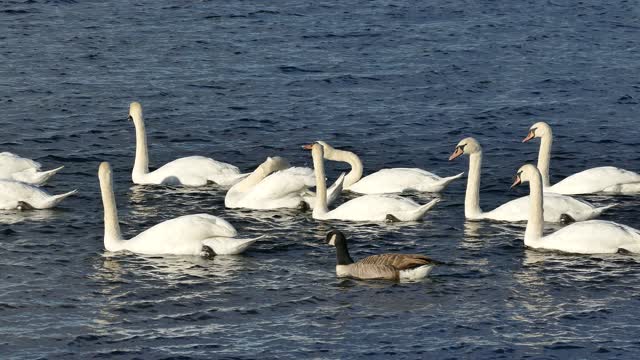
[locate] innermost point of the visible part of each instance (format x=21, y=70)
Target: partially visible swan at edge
x=189, y=171
x=275, y=185
x=385, y=181
x=557, y=207
x=587, y=237
x=366, y=207
x=605, y=179
x=22, y=196
x=198, y=234
x=383, y=266
x=14, y=167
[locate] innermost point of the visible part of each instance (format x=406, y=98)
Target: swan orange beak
x=456, y=153
x=530, y=136
x=516, y=182
x=307, y=147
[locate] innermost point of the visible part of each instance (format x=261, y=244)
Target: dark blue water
x=400, y=83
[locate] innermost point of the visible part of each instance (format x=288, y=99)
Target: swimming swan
x=14, y=167
x=366, y=207
x=22, y=196
x=385, y=181
x=189, y=171
x=275, y=185
x=606, y=179
x=198, y=234
x=587, y=237
x=557, y=208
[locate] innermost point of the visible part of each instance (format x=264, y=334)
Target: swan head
x=466, y=146
x=525, y=174
x=538, y=130
x=335, y=236
x=104, y=171
x=326, y=147
x=135, y=112
x=277, y=163
x=317, y=150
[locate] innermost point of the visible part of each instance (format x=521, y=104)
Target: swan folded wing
x=14, y=191
x=284, y=183
x=593, y=237
x=193, y=170
x=398, y=261
x=11, y=163
x=373, y=208
x=182, y=235
x=393, y=180
x=594, y=180
x=554, y=206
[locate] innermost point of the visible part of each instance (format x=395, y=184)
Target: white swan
x=366, y=207
x=385, y=181
x=14, y=167
x=19, y=195
x=588, y=237
x=557, y=207
x=189, y=171
x=199, y=234
x=606, y=179
x=275, y=185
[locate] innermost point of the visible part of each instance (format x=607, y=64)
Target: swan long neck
x=472, y=196
x=141, y=164
x=544, y=157
x=535, y=223
x=352, y=159
x=320, y=208
x=112, y=235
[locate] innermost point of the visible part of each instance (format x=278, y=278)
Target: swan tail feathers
x=56, y=199
x=232, y=179
x=229, y=246
x=43, y=176
x=333, y=193
x=416, y=214
x=600, y=210
x=444, y=182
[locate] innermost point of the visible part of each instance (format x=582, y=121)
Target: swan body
x=588, y=237
x=275, y=185
x=604, y=179
x=14, y=167
x=366, y=207
x=188, y=171
x=19, y=195
x=555, y=205
x=196, y=234
x=384, y=266
x=385, y=181
x=397, y=180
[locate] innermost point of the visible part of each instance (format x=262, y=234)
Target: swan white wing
x=12, y=192
x=193, y=171
x=372, y=208
x=181, y=236
x=594, y=180
x=593, y=237
x=11, y=163
x=393, y=181
x=282, y=189
x=554, y=206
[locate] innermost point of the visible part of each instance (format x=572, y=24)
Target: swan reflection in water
x=16, y=216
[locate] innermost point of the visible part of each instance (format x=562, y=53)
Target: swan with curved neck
x=189, y=171
x=276, y=185
x=385, y=181
x=199, y=234
x=14, y=167
x=587, y=237
x=557, y=207
x=606, y=179
x=363, y=208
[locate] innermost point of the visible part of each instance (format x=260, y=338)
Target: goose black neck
x=342, y=251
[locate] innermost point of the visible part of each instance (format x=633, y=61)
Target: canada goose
x=383, y=266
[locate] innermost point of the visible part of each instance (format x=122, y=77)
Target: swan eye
x=533, y=131
x=461, y=147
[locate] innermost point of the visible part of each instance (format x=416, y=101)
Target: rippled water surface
x=400, y=83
